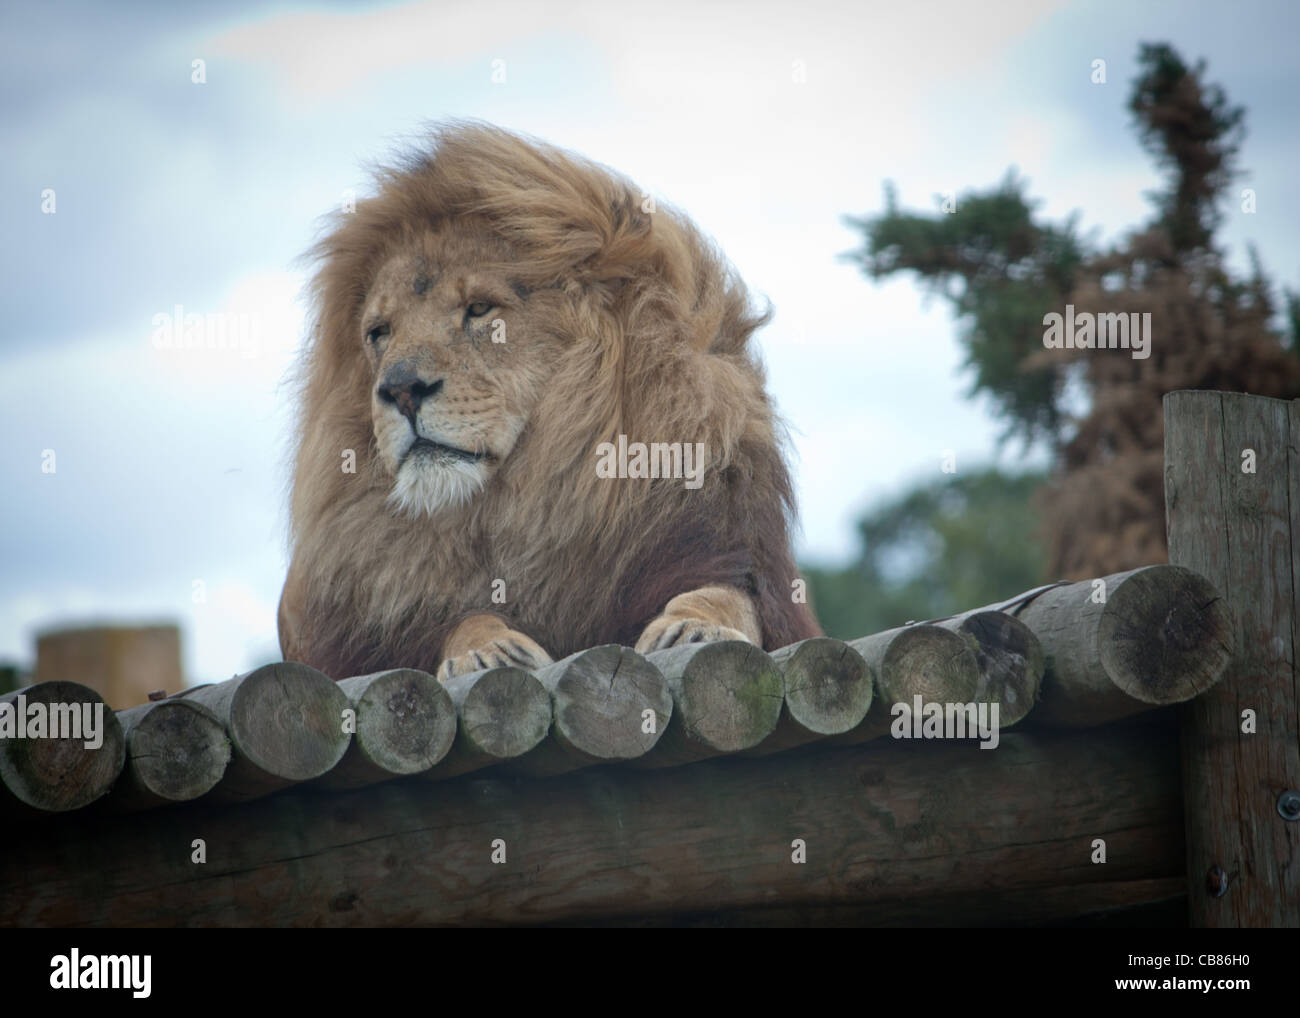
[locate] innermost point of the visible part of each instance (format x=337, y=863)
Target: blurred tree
x=955, y=543
x=1003, y=271
x=11, y=677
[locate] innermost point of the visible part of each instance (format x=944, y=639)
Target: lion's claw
x=513, y=649
x=664, y=632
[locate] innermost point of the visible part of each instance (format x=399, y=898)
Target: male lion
x=498, y=311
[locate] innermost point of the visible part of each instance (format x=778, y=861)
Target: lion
x=488, y=328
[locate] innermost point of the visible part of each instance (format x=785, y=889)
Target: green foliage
x=1194, y=135
x=1001, y=269
x=11, y=678
x=998, y=269
x=946, y=546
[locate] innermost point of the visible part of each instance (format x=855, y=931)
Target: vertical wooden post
x=1232, y=496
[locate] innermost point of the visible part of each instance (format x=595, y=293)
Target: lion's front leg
x=485, y=641
x=701, y=615
x=289, y=616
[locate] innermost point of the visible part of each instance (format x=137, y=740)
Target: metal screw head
x=1288, y=805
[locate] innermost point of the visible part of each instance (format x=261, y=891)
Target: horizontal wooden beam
x=895, y=830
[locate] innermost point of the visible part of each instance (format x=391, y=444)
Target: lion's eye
x=478, y=309
x=377, y=333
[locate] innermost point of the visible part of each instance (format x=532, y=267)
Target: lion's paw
x=510, y=649
x=664, y=632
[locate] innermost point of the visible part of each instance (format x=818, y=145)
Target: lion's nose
x=403, y=387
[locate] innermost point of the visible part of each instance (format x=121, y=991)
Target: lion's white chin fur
x=423, y=489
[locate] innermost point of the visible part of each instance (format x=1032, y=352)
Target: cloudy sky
x=766, y=121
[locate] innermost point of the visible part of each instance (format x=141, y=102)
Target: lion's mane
x=657, y=330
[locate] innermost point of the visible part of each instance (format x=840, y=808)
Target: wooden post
x=121, y=663
x=1232, y=496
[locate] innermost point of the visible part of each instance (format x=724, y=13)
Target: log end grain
x=59, y=774
x=927, y=661
x=601, y=698
x=727, y=696
x=1165, y=635
x=405, y=720
x=1011, y=662
x=504, y=712
x=287, y=719
x=828, y=685
x=177, y=749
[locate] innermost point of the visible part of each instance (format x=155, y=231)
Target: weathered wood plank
x=1232, y=493
x=1133, y=903
x=883, y=825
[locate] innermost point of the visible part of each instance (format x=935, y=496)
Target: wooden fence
x=1009, y=765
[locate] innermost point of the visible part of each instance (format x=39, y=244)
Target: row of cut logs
x=1079, y=654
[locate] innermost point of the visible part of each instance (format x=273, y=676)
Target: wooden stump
x=176, y=750
x=285, y=722
x=502, y=713
x=828, y=690
x=405, y=724
x=727, y=697
x=600, y=698
x=53, y=775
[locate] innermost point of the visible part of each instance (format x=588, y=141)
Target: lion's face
x=458, y=361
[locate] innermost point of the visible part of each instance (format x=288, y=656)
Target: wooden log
x=918, y=660
x=899, y=830
x=1161, y=635
x=405, y=723
x=1010, y=661
x=285, y=722
x=727, y=697
x=502, y=713
x=828, y=689
x=61, y=748
x=1232, y=488
x=600, y=698
x=176, y=750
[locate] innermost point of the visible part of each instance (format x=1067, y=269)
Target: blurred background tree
x=943, y=547
x=966, y=541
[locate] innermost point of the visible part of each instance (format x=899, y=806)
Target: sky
x=130, y=188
